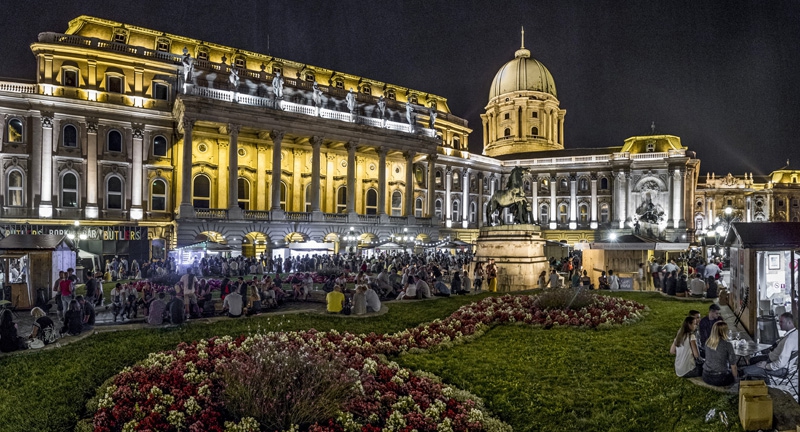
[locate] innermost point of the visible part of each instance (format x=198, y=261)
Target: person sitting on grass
x=441, y=290
x=697, y=288
x=373, y=301
x=335, y=300
x=297, y=289
x=73, y=319
x=155, y=313
x=44, y=328
x=87, y=312
x=9, y=339
x=176, y=310
x=423, y=289
x=586, y=281
x=254, y=301
x=720, y=366
x=409, y=291
x=360, y=300
x=707, y=323
x=233, y=305
x=308, y=286
x=684, y=348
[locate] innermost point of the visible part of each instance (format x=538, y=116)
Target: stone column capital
x=91, y=127
x=188, y=123
x=233, y=129
x=276, y=135
x=409, y=155
x=316, y=141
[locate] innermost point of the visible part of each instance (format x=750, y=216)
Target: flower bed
x=181, y=389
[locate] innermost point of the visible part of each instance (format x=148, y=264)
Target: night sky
x=722, y=75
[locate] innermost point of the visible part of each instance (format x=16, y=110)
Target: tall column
x=92, y=212
x=409, y=155
x=277, y=138
x=186, y=209
x=748, y=209
x=672, y=195
x=46, y=204
x=573, y=201
x=485, y=131
x=593, y=223
x=136, y=175
x=351, y=177
x=481, y=220
x=629, y=196
x=535, y=196
x=223, y=176
x=382, y=181
x=561, y=131
x=432, y=185
x=448, y=186
x=316, y=144
x=465, y=199
x=620, y=199
x=553, y=203
x=234, y=212
x=298, y=193
x=676, y=204
x=710, y=202
x=682, y=202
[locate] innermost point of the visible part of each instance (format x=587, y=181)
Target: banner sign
x=91, y=232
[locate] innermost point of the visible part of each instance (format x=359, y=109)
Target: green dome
x=522, y=74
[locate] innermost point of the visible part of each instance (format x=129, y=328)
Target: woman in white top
x=613, y=280
x=684, y=348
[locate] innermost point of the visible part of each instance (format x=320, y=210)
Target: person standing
x=613, y=281
x=478, y=273
x=640, y=277
x=67, y=288
x=491, y=276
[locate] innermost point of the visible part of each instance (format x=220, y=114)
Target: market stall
x=623, y=254
x=763, y=270
x=31, y=264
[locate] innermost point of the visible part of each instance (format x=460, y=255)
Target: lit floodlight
x=77, y=223
x=720, y=230
x=612, y=236
x=728, y=210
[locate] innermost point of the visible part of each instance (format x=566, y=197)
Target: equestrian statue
x=512, y=198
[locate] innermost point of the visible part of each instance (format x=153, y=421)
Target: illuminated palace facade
x=136, y=141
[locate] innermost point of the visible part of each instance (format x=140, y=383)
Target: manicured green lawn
x=534, y=379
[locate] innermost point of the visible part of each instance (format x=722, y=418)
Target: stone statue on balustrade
x=512, y=198
x=410, y=114
x=188, y=65
x=432, y=119
x=277, y=85
x=234, y=79
x=351, y=101
x=382, y=107
x=317, y=96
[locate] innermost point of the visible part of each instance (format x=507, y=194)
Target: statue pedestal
x=518, y=251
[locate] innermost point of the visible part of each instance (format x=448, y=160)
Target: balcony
x=257, y=215
x=68, y=213
x=204, y=213
x=298, y=216
x=19, y=212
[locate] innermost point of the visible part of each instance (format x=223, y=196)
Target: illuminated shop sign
x=90, y=232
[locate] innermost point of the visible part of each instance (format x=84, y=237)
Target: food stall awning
x=41, y=242
x=764, y=235
x=634, y=242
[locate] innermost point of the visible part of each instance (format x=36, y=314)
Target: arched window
x=438, y=178
x=698, y=223
x=472, y=212
x=583, y=213
x=308, y=197
x=15, y=130
x=456, y=180
x=603, y=183
x=114, y=141
x=159, y=146
x=418, y=207
x=397, y=203
x=544, y=214
x=563, y=211
x=437, y=207
x=563, y=185
x=534, y=131
x=457, y=142
x=372, y=202
x=544, y=185
x=158, y=195
x=69, y=138
x=284, y=196
x=69, y=190
x=243, y=188
x=455, y=214
x=201, y=192
x=341, y=199
x=507, y=131
x=583, y=185
x=16, y=189
x=114, y=193
x=604, y=214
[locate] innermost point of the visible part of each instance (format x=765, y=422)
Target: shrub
x=280, y=385
x=564, y=298
x=168, y=280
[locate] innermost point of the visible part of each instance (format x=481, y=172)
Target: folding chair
x=787, y=374
x=742, y=307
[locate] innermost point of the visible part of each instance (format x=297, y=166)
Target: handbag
x=36, y=344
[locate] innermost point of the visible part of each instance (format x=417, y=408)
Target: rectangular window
x=69, y=78
x=239, y=62
x=159, y=203
x=276, y=69
x=202, y=55
x=162, y=45
x=114, y=84
x=160, y=91
x=119, y=38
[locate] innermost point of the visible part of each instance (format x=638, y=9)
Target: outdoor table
x=745, y=350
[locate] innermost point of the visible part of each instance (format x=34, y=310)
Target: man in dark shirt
x=87, y=311
x=706, y=324
x=91, y=288
x=176, y=311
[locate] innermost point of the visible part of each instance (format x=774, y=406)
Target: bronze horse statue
x=511, y=197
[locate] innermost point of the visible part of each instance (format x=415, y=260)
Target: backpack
x=348, y=307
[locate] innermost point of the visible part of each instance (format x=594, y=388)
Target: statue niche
x=649, y=215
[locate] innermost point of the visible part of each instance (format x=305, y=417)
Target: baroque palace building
x=137, y=141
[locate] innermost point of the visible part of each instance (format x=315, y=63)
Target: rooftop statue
x=277, y=85
x=317, y=96
x=234, y=78
x=188, y=65
x=382, y=106
x=351, y=101
x=513, y=198
x=410, y=113
x=432, y=121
